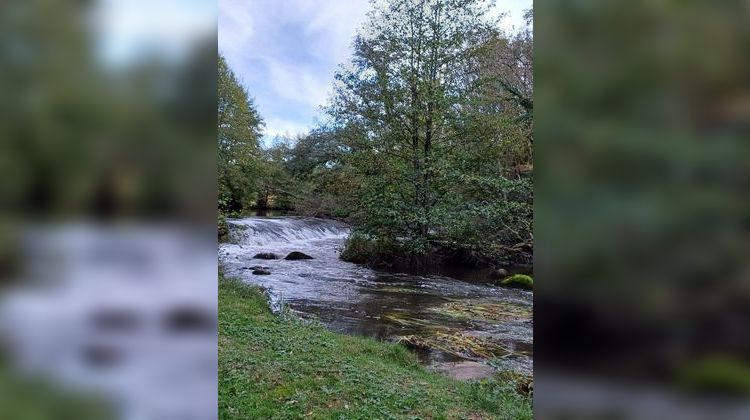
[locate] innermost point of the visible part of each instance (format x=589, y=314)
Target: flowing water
x=449, y=321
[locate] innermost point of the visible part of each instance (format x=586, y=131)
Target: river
x=450, y=321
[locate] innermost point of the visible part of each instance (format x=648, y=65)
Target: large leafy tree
x=404, y=89
x=427, y=116
x=507, y=78
x=239, y=132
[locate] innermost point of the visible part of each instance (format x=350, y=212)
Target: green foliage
x=518, y=280
x=84, y=138
x=308, y=174
x=30, y=398
x=280, y=367
x=434, y=114
x=429, y=126
x=239, y=131
x=489, y=210
x=359, y=249
x=223, y=229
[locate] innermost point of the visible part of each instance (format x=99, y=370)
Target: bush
x=359, y=249
x=521, y=281
x=222, y=227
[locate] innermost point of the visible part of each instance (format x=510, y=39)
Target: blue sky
x=285, y=52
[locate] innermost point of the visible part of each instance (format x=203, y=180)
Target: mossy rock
x=521, y=281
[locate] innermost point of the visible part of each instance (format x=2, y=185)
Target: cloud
x=514, y=11
x=286, y=52
x=296, y=84
x=129, y=30
x=282, y=128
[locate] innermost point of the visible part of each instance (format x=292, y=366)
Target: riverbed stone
x=261, y=272
x=466, y=370
x=296, y=255
x=266, y=256
x=498, y=274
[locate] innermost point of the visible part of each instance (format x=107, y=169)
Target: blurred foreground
x=107, y=230
x=643, y=296
x=127, y=313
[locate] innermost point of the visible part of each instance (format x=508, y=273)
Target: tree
x=507, y=74
x=410, y=95
x=239, y=132
x=407, y=83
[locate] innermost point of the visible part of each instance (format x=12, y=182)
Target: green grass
x=280, y=367
x=32, y=398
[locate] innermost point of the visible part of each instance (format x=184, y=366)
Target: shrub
x=359, y=249
x=223, y=228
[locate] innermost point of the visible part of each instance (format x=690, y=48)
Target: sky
x=285, y=52
x=129, y=30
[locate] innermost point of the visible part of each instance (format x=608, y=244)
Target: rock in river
x=266, y=256
x=296, y=255
x=261, y=272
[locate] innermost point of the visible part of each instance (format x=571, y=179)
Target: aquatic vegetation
x=404, y=290
x=521, y=281
x=491, y=311
x=457, y=344
x=407, y=320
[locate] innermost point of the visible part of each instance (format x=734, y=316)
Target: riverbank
x=274, y=367
x=25, y=397
x=360, y=249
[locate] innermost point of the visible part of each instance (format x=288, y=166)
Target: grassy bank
x=33, y=398
x=271, y=367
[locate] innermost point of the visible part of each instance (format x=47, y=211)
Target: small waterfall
x=262, y=231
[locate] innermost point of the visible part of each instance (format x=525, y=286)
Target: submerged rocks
x=266, y=256
x=296, y=255
x=261, y=272
x=520, y=281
